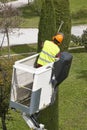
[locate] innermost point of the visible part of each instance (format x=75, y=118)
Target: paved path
x=18, y=3
x=78, y=30
x=30, y=35
x=21, y=36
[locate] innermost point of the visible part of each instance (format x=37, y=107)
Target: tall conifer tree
x=47, y=28
x=47, y=24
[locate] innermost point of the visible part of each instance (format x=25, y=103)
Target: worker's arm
x=58, y=55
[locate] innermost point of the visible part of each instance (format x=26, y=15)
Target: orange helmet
x=58, y=37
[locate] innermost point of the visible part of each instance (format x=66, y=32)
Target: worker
x=50, y=50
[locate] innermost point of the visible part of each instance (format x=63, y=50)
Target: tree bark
x=7, y=35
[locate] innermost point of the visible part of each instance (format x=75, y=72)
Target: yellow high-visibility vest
x=48, y=53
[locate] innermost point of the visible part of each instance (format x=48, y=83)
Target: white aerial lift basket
x=34, y=89
x=31, y=87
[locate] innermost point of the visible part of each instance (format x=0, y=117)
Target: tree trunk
x=28, y=2
x=3, y=117
x=7, y=35
x=85, y=46
x=49, y=116
x=2, y=42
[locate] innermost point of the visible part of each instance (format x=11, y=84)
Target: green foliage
x=4, y=79
x=62, y=11
x=6, y=67
x=80, y=40
x=47, y=24
x=76, y=39
x=5, y=83
x=84, y=38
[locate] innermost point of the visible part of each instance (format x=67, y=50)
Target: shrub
x=76, y=39
x=82, y=13
x=84, y=38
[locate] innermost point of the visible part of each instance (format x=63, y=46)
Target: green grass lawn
x=30, y=18
x=27, y=48
x=76, y=5
x=15, y=121
x=73, y=95
x=79, y=21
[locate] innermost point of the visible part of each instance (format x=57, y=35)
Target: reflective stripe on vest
x=44, y=60
x=48, y=54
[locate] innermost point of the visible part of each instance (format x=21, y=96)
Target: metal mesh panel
x=23, y=83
